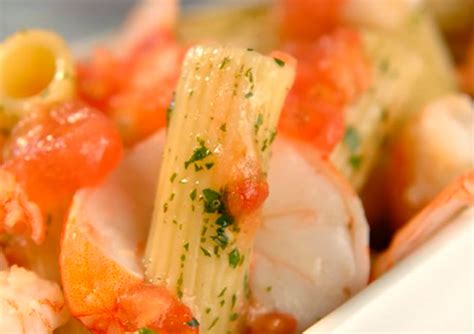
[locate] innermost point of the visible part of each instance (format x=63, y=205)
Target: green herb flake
x=165, y=207
x=214, y=322
x=209, y=165
x=169, y=110
x=249, y=75
x=233, y=316
x=248, y=95
x=268, y=289
x=234, y=300
x=279, y=62
x=193, y=323
x=199, y=154
x=351, y=139
x=234, y=258
x=224, y=63
x=205, y=252
x=145, y=330
x=223, y=127
x=258, y=122
x=186, y=246
x=173, y=177
x=208, y=310
x=212, y=200
x=193, y=194
x=249, y=49
x=222, y=292
x=355, y=161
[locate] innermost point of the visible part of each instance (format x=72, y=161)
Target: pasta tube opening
x=213, y=179
x=36, y=67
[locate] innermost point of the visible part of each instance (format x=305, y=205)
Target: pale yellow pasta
x=36, y=68
x=371, y=117
x=227, y=107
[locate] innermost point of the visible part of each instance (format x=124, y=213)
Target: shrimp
x=424, y=161
x=102, y=247
x=323, y=231
x=19, y=215
x=453, y=200
x=29, y=304
x=311, y=252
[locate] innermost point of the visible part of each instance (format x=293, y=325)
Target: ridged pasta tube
x=36, y=68
x=213, y=179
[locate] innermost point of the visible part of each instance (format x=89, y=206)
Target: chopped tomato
x=272, y=323
x=54, y=152
x=135, y=89
x=306, y=20
x=332, y=72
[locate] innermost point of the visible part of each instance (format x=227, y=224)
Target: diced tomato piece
x=134, y=89
x=272, y=323
x=332, y=72
x=306, y=20
x=54, y=152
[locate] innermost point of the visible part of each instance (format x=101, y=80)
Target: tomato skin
x=57, y=151
x=134, y=89
x=272, y=323
x=306, y=20
x=332, y=72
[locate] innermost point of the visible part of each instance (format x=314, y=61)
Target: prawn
x=454, y=199
x=323, y=232
x=30, y=304
x=19, y=215
x=101, y=251
x=311, y=252
x=423, y=162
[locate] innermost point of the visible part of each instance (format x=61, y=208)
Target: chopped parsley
x=224, y=63
x=233, y=316
x=214, y=322
x=355, y=161
x=279, y=62
x=193, y=323
x=223, y=127
x=209, y=165
x=169, y=110
x=249, y=49
x=234, y=258
x=248, y=95
x=193, y=194
x=173, y=177
x=351, y=139
x=268, y=289
x=258, y=122
x=249, y=75
x=199, y=154
x=222, y=292
x=212, y=200
x=205, y=252
x=145, y=330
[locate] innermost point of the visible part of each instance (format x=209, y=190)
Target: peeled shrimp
x=102, y=247
x=312, y=220
x=18, y=215
x=311, y=253
x=434, y=148
x=455, y=199
x=29, y=304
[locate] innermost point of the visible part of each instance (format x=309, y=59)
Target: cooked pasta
x=371, y=117
x=227, y=103
x=36, y=67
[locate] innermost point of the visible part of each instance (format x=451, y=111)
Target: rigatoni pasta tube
x=213, y=179
x=36, y=67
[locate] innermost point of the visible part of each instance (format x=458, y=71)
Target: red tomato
x=135, y=89
x=55, y=152
x=331, y=73
x=272, y=323
x=306, y=20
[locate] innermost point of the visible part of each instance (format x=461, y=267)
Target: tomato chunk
x=54, y=152
x=306, y=20
x=134, y=89
x=332, y=72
